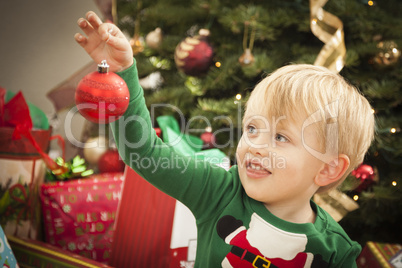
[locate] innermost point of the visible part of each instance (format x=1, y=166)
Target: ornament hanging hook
x=103, y=67
x=252, y=35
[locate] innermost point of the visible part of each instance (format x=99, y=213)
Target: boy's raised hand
x=104, y=41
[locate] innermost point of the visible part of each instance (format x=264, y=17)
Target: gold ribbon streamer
x=329, y=29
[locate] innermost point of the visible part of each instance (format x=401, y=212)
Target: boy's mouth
x=256, y=167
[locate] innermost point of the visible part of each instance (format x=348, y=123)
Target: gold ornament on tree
x=137, y=44
x=329, y=29
x=154, y=38
x=247, y=58
x=388, y=54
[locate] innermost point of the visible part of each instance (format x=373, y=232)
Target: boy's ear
x=332, y=171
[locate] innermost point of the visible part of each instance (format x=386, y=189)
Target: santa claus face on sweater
x=274, y=165
x=264, y=245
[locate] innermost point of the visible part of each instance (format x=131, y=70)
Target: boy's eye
x=251, y=130
x=281, y=138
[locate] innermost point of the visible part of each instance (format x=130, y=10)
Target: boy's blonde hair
x=301, y=90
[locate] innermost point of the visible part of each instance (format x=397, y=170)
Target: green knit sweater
x=233, y=230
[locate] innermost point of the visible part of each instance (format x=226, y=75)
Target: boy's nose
x=259, y=149
x=254, y=151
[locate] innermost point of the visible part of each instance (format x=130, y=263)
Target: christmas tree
x=173, y=39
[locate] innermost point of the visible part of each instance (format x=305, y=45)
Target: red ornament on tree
x=366, y=175
x=102, y=96
x=193, y=56
x=208, y=138
x=364, y=172
x=110, y=162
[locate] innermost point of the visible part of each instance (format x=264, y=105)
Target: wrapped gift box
x=24, y=137
x=79, y=215
x=143, y=243
x=380, y=255
x=34, y=253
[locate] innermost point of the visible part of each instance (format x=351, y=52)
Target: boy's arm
x=181, y=177
x=195, y=183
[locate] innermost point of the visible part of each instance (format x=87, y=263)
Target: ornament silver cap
x=103, y=67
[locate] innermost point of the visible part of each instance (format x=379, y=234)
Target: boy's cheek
x=241, y=145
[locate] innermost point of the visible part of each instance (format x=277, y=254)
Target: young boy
x=305, y=129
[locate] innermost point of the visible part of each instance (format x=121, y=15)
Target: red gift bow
x=16, y=114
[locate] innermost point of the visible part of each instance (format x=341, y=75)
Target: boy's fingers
x=94, y=20
x=82, y=40
x=85, y=26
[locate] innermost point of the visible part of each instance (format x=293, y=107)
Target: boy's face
x=274, y=166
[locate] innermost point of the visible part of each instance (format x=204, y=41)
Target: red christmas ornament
x=366, y=175
x=209, y=139
x=158, y=132
x=193, y=56
x=364, y=172
x=102, y=96
x=110, y=162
